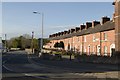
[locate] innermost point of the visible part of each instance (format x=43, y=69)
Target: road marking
x=7, y=68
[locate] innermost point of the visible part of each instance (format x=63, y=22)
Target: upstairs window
x=105, y=50
x=105, y=36
x=78, y=38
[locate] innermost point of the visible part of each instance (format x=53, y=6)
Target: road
x=18, y=65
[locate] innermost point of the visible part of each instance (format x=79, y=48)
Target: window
x=105, y=50
x=98, y=50
x=68, y=41
x=78, y=38
x=85, y=49
x=112, y=49
x=105, y=36
x=89, y=50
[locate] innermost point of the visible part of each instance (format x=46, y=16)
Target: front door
x=98, y=50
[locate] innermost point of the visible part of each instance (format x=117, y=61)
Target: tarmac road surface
x=18, y=65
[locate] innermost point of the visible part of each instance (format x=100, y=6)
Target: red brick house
x=95, y=37
x=92, y=38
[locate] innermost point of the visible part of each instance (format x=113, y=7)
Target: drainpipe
x=100, y=43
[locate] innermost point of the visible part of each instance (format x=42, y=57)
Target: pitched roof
x=110, y=25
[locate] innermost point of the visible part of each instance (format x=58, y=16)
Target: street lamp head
x=35, y=12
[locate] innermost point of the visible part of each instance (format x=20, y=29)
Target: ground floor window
x=68, y=46
x=112, y=49
x=105, y=50
x=98, y=50
x=89, y=50
x=85, y=50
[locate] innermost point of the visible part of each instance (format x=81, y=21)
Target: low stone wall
x=98, y=59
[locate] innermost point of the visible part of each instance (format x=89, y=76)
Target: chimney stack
x=53, y=35
x=82, y=27
x=77, y=29
x=69, y=32
x=58, y=33
x=65, y=32
x=88, y=25
x=105, y=19
x=113, y=19
x=94, y=23
x=62, y=33
x=72, y=30
x=117, y=25
x=50, y=36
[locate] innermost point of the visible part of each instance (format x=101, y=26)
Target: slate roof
x=110, y=25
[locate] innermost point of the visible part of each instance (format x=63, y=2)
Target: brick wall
x=90, y=43
x=117, y=25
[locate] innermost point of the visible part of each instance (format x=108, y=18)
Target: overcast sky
x=18, y=19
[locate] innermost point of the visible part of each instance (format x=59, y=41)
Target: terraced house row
x=98, y=38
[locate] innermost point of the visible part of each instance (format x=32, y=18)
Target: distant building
x=98, y=38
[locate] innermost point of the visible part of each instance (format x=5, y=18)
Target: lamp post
x=32, y=43
x=6, y=42
x=41, y=41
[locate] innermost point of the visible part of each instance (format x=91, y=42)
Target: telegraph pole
x=6, y=41
x=32, y=44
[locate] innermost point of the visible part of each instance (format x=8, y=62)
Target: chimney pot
x=69, y=32
x=105, y=19
x=82, y=27
x=72, y=30
x=88, y=25
x=77, y=29
x=65, y=32
x=49, y=36
x=94, y=23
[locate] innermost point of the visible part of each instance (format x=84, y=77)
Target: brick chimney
x=50, y=36
x=82, y=27
x=62, y=33
x=65, y=32
x=77, y=29
x=105, y=19
x=117, y=26
x=113, y=19
x=72, y=30
x=59, y=33
x=88, y=25
x=56, y=34
x=53, y=35
x=94, y=23
x=69, y=32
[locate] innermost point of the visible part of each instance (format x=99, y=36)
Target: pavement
x=18, y=65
